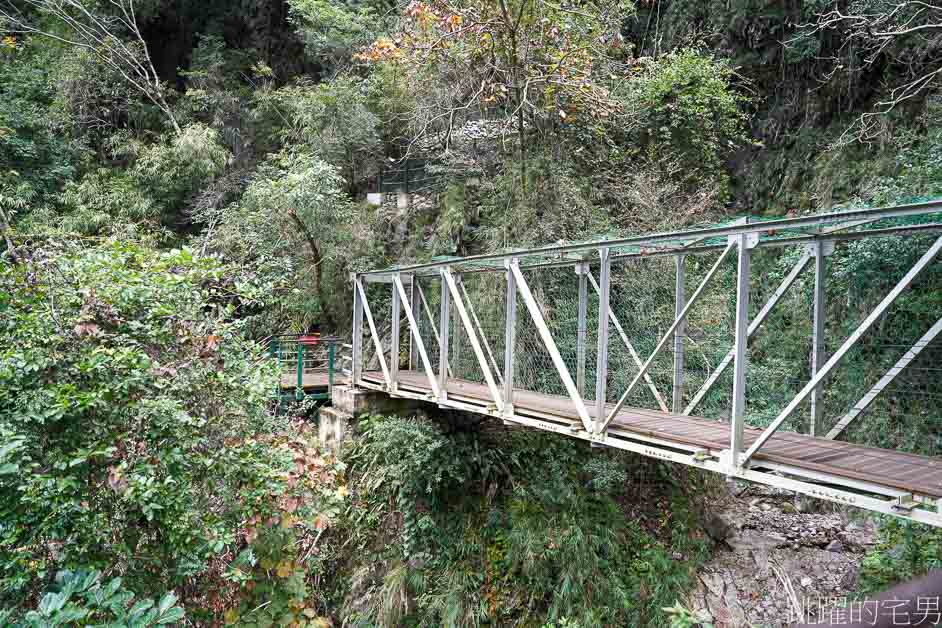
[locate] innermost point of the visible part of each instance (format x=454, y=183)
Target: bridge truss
x=802, y=353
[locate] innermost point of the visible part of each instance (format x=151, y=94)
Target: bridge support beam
x=582, y=270
x=416, y=336
x=884, y=305
x=395, y=333
x=901, y=364
x=753, y=328
x=550, y=345
x=357, y=344
x=443, y=320
x=472, y=337
x=416, y=315
x=601, y=365
x=631, y=348
x=820, y=250
x=745, y=243
x=670, y=332
x=377, y=342
x=510, y=337
x=677, y=388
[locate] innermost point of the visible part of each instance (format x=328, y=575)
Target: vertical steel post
x=443, y=320
x=741, y=347
x=413, y=347
x=357, y=350
x=817, y=338
x=678, y=385
x=510, y=338
x=394, y=340
x=601, y=367
x=456, y=321
x=581, y=270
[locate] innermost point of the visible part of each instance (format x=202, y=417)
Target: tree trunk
x=318, y=261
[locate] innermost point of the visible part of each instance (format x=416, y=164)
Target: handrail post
x=394, y=340
x=357, y=348
x=821, y=249
x=745, y=243
x=601, y=368
x=443, y=320
x=677, y=389
x=510, y=338
x=582, y=270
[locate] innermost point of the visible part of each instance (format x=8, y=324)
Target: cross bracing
x=800, y=352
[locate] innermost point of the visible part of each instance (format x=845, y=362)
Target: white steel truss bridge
x=799, y=352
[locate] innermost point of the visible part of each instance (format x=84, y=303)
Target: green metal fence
x=308, y=365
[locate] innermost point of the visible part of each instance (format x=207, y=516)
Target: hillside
x=182, y=179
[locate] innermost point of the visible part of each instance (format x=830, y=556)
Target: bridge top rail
x=846, y=224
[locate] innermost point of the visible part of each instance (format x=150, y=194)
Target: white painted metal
x=605, y=311
x=472, y=337
x=631, y=349
x=396, y=321
x=813, y=221
x=581, y=324
x=413, y=349
x=753, y=328
x=417, y=338
x=741, y=349
x=817, y=334
x=885, y=502
x=677, y=387
x=357, y=350
x=377, y=343
x=550, y=345
x=510, y=338
x=480, y=328
x=443, y=365
x=924, y=261
x=885, y=381
x=663, y=342
x=431, y=319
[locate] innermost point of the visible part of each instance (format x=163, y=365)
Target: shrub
x=133, y=423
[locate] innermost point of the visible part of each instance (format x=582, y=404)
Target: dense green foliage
x=508, y=527
x=180, y=181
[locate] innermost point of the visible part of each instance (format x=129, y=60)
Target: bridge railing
x=825, y=325
x=306, y=361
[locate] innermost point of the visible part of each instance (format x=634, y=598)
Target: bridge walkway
x=903, y=471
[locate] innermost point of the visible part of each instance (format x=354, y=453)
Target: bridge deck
x=310, y=380
x=902, y=471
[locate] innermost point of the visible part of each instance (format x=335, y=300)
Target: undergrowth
x=456, y=525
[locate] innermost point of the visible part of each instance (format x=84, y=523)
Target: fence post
x=357, y=349
x=601, y=368
x=510, y=338
x=394, y=340
x=745, y=243
x=581, y=271
x=443, y=320
x=821, y=250
x=417, y=315
x=677, y=390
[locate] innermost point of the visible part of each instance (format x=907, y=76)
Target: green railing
x=308, y=364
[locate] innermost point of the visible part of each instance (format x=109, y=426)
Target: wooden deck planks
x=900, y=470
x=311, y=380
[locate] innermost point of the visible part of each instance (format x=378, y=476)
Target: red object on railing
x=310, y=340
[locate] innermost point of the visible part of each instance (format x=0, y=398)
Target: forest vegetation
x=180, y=179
